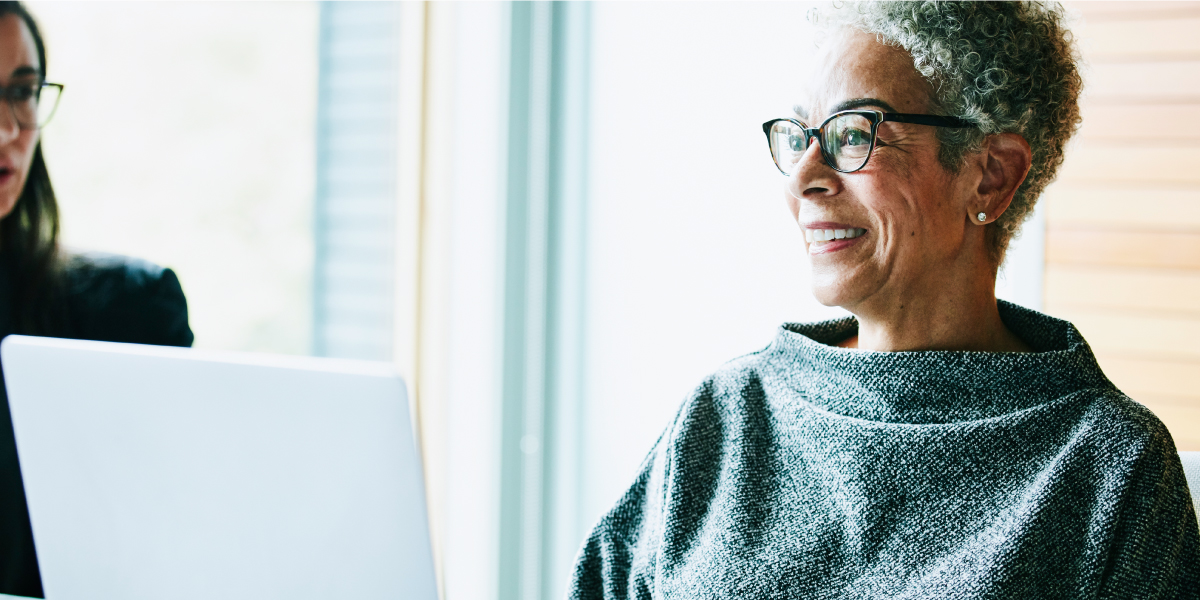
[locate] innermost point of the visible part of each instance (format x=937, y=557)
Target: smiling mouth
x=829, y=235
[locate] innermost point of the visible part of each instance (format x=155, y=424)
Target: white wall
x=693, y=257
x=475, y=310
x=1020, y=279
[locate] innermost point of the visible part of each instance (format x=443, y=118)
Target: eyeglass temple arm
x=933, y=120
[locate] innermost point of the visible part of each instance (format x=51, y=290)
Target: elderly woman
x=939, y=443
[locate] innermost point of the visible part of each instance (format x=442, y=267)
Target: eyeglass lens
x=33, y=104
x=845, y=142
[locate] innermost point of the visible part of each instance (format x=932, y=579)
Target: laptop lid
x=155, y=472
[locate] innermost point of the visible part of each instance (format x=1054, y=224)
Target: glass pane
x=187, y=108
x=848, y=140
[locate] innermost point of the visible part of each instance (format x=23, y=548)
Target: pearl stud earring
x=982, y=217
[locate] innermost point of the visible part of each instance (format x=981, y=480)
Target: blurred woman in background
x=45, y=291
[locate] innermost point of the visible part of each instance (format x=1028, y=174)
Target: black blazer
x=109, y=298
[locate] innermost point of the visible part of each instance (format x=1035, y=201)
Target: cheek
x=900, y=233
x=26, y=142
x=907, y=195
x=888, y=203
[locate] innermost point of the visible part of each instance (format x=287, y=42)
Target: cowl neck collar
x=934, y=386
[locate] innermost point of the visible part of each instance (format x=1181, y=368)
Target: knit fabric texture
x=810, y=471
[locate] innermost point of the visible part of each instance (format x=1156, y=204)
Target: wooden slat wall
x=1123, y=220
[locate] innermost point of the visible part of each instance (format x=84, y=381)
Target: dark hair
x=29, y=234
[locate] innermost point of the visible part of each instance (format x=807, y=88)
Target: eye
x=856, y=137
x=796, y=143
x=22, y=93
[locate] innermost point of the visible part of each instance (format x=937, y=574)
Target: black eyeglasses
x=32, y=104
x=846, y=138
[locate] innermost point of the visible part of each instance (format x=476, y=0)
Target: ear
x=1007, y=159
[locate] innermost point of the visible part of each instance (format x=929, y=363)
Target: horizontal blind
x=1123, y=221
x=356, y=180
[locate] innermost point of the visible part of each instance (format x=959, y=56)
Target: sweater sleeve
x=1156, y=544
x=617, y=561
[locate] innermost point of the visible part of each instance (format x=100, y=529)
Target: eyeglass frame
x=874, y=116
x=5, y=95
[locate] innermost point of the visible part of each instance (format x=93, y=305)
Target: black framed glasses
x=32, y=104
x=847, y=138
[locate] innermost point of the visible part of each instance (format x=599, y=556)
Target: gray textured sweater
x=810, y=471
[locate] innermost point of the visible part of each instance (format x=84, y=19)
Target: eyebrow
x=861, y=102
x=847, y=105
x=24, y=71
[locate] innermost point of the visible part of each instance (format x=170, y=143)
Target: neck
x=962, y=317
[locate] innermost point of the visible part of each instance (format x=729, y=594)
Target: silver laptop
x=164, y=473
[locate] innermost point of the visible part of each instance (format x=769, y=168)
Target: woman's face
x=913, y=210
x=18, y=65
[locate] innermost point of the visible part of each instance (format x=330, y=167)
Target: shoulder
x=1122, y=425
x=728, y=387
x=1129, y=447
x=730, y=406
x=124, y=299
x=88, y=272
x=1151, y=518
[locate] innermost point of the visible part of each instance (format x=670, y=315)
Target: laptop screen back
x=175, y=473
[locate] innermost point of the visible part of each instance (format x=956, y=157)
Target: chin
x=830, y=295
x=833, y=286
x=7, y=203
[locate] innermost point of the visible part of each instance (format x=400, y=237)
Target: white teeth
x=826, y=235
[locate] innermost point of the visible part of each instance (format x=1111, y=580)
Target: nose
x=9, y=128
x=811, y=178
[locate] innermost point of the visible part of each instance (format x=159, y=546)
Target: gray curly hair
x=1008, y=67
